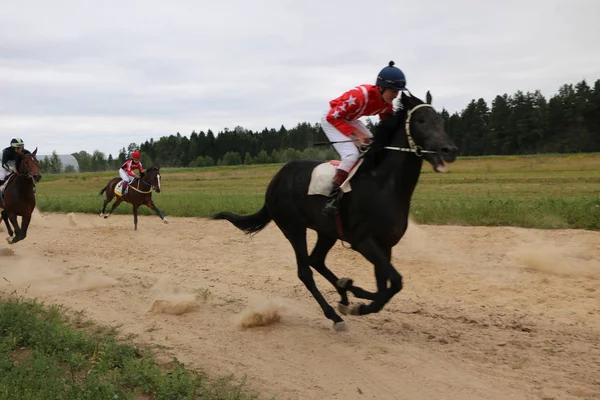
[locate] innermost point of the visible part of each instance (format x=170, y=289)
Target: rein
x=137, y=189
x=413, y=147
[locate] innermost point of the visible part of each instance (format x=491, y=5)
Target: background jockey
x=11, y=156
x=340, y=121
x=126, y=170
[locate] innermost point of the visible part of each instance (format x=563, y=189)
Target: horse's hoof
x=343, y=308
x=9, y=240
x=106, y=216
x=345, y=283
x=355, y=309
x=340, y=326
x=165, y=221
x=101, y=215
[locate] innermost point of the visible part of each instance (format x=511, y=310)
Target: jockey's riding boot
x=124, y=189
x=332, y=205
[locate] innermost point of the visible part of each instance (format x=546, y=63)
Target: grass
x=542, y=191
x=46, y=354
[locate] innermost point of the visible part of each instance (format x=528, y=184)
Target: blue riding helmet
x=391, y=77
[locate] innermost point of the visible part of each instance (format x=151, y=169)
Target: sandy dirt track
x=486, y=313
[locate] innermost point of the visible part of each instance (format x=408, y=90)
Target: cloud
x=78, y=76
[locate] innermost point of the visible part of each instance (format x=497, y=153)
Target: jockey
x=340, y=122
x=126, y=170
x=11, y=156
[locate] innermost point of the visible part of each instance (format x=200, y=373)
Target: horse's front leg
x=150, y=204
x=8, y=227
x=384, y=273
x=13, y=220
x=348, y=284
x=25, y=220
x=135, y=216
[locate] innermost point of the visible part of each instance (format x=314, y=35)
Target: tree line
x=521, y=123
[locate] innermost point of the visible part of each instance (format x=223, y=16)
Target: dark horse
x=19, y=197
x=139, y=193
x=373, y=216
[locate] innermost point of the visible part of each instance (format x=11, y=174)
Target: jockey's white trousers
x=126, y=177
x=3, y=173
x=348, y=151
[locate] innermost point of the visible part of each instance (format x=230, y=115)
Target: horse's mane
x=152, y=168
x=383, y=134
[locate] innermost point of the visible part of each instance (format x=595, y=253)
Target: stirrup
x=333, y=204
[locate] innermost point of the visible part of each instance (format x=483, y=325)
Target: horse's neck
x=400, y=169
x=23, y=183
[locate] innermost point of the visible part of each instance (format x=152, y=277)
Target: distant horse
x=19, y=197
x=373, y=216
x=139, y=193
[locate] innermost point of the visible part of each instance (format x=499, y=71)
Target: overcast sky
x=83, y=75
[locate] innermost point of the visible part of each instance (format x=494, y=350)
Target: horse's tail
x=247, y=223
x=103, y=190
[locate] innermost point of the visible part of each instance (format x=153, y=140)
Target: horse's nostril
x=449, y=150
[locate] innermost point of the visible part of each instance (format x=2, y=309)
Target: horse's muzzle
x=36, y=178
x=448, y=153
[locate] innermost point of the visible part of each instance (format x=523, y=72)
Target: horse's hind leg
x=103, y=209
x=108, y=199
x=114, y=205
x=297, y=237
x=317, y=261
x=8, y=227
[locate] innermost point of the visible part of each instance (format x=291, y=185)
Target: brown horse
x=139, y=193
x=19, y=197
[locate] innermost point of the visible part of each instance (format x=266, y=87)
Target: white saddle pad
x=322, y=177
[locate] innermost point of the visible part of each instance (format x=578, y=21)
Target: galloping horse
x=373, y=216
x=19, y=197
x=139, y=193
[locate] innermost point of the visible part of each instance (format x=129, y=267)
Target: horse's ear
x=35, y=151
x=428, y=98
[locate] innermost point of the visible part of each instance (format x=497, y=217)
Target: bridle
x=413, y=147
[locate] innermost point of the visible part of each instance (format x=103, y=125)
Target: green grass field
x=544, y=191
x=47, y=352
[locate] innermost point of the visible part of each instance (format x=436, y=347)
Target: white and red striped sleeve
x=347, y=107
x=127, y=168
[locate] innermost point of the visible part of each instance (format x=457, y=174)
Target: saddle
x=119, y=187
x=321, y=181
x=7, y=181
